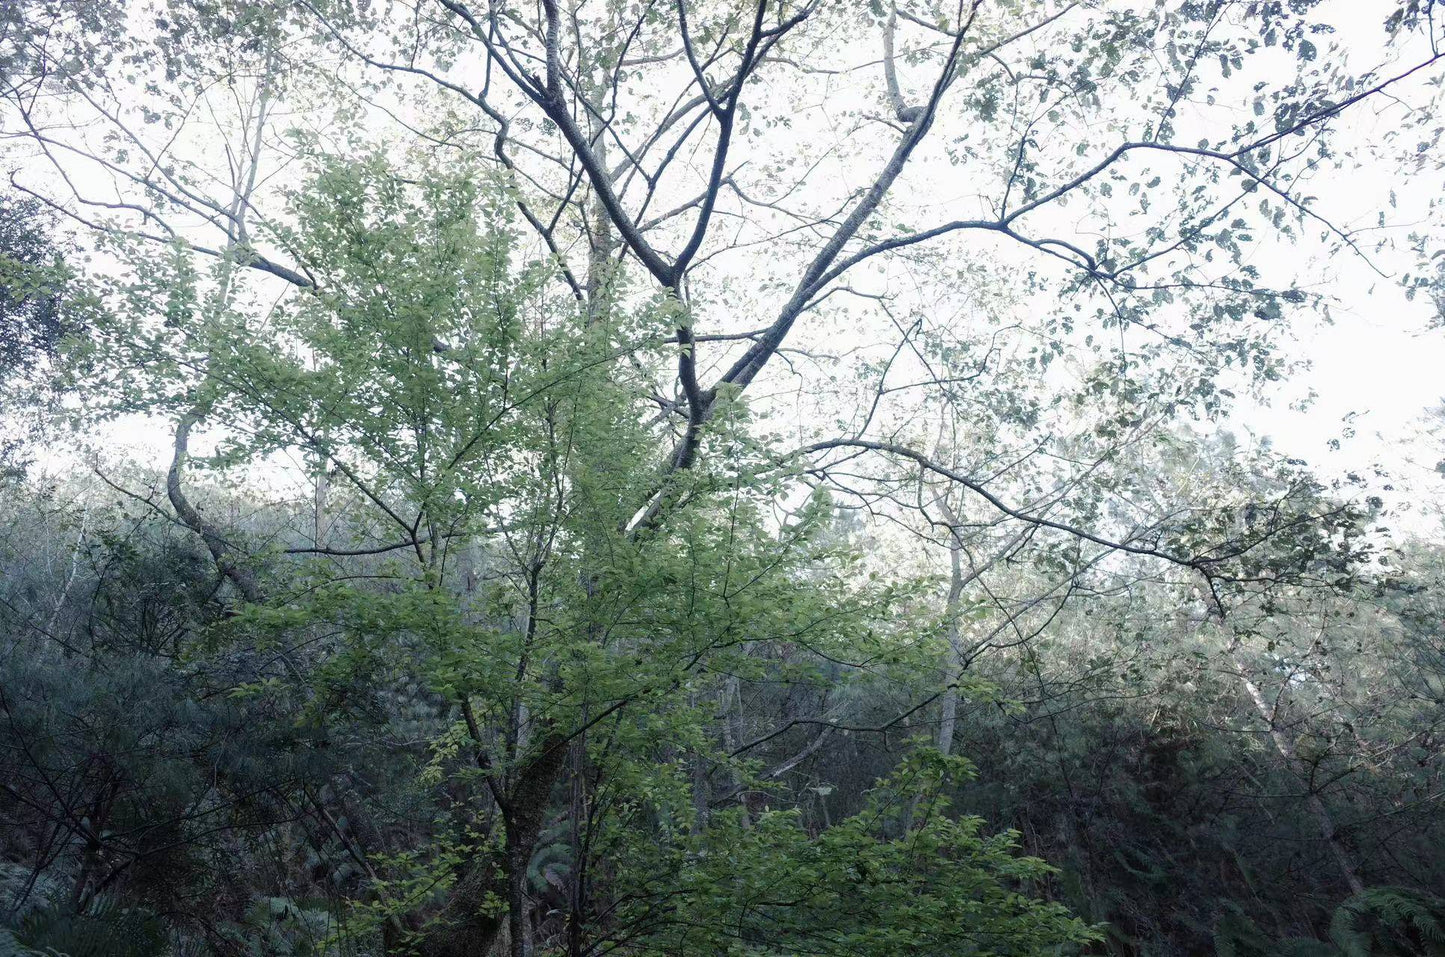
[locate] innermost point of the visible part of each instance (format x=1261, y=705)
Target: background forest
x=719, y=477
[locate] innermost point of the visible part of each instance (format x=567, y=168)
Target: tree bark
x=1287, y=752
x=525, y=809
x=949, y=717
x=221, y=552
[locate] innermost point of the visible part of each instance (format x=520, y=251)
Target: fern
x=10, y=946
x=105, y=929
x=552, y=861
x=1306, y=947
x=1235, y=935
x=282, y=927
x=1390, y=922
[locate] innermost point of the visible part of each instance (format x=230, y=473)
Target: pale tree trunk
x=1287, y=753
x=955, y=646
x=321, y=524
x=958, y=580
x=701, y=792
x=600, y=239
x=732, y=723
x=243, y=185
x=74, y=570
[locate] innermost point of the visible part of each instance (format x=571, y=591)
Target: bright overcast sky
x=1375, y=370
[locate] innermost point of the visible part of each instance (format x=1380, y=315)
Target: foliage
x=1389, y=921
x=899, y=877
x=38, y=309
x=105, y=929
x=595, y=449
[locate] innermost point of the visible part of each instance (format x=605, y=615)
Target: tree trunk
x=1286, y=750
x=525, y=809
x=465, y=931
x=955, y=651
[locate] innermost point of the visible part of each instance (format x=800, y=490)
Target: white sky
x=1379, y=364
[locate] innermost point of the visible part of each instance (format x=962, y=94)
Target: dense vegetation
x=582, y=477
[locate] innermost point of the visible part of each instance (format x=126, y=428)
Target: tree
x=598, y=433
x=627, y=186
x=505, y=546
x=34, y=318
